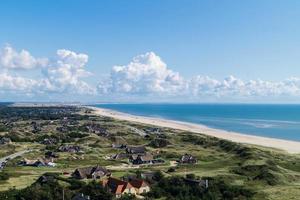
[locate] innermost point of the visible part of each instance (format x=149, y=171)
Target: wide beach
x=286, y=145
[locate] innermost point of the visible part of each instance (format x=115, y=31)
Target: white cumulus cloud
x=145, y=74
x=61, y=74
x=146, y=77
x=12, y=59
x=64, y=73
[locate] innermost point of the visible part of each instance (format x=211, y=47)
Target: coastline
x=286, y=145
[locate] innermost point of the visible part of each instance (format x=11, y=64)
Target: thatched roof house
x=91, y=172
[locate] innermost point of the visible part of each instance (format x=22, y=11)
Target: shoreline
x=286, y=145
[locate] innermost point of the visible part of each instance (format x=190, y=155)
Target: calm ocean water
x=277, y=121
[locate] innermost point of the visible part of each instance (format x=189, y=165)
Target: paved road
x=12, y=156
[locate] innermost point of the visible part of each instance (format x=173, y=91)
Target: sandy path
x=289, y=146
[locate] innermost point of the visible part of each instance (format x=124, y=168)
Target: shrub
x=4, y=176
x=159, y=143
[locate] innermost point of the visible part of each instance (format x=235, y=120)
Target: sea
x=268, y=120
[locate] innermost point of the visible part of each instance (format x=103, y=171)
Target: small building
x=69, y=148
x=120, y=187
x=119, y=156
x=96, y=172
x=141, y=186
x=44, y=179
x=5, y=140
x=136, y=150
x=49, y=141
x=141, y=159
x=96, y=129
x=188, y=158
x=37, y=163
x=119, y=146
x=153, y=130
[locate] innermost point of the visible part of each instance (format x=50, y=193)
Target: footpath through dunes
x=286, y=145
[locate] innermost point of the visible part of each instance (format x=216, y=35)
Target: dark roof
x=89, y=171
x=5, y=140
x=120, y=156
x=147, y=157
x=69, y=148
x=45, y=178
x=139, y=149
x=137, y=183
x=188, y=158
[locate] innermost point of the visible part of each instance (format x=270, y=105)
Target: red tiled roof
x=117, y=186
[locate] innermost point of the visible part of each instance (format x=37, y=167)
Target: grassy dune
x=270, y=173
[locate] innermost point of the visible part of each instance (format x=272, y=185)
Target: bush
x=259, y=172
x=191, y=176
x=159, y=143
x=4, y=176
x=171, y=169
x=176, y=188
x=157, y=176
x=96, y=191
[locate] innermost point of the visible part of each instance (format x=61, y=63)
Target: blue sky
x=248, y=40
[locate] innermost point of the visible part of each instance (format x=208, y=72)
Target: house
x=36, y=127
x=136, y=150
x=69, y=148
x=119, y=156
x=144, y=159
x=97, y=129
x=91, y=172
x=120, y=187
x=119, y=146
x=45, y=179
x=49, y=141
x=151, y=130
x=5, y=140
x=141, y=159
x=141, y=186
x=37, y=163
x=188, y=158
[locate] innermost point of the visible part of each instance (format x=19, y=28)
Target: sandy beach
x=286, y=145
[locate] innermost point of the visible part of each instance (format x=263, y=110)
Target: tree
x=157, y=176
x=191, y=176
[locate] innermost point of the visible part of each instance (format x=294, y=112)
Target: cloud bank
x=145, y=78
x=147, y=75
x=61, y=74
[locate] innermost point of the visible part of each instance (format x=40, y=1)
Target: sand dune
x=289, y=146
